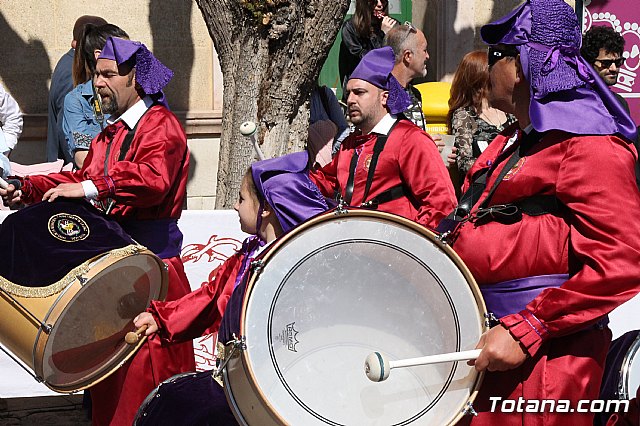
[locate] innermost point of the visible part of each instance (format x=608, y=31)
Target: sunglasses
x=606, y=63
x=496, y=53
x=410, y=29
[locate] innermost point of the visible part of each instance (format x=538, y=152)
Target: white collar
x=384, y=125
x=133, y=114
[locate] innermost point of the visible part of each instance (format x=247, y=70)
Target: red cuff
x=105, y=185
x=527, y=329
x=152, y=309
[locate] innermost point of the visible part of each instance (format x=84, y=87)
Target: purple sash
x=161, y=236
x=510, y=297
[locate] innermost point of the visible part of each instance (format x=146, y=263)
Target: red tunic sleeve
x=426, y=176
x=199, y=312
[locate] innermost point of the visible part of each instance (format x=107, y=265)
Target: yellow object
x=435, y=105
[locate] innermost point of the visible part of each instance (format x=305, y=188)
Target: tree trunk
x=269, y=68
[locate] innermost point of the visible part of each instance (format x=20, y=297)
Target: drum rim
x=58, y=308
x=632, y=352
x=430, y=235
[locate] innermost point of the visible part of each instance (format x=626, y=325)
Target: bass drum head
x=343, y=286
x=87, y=343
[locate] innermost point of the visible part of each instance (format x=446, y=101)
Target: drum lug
x=237, y=344
x=82, y=280
x=468, y=410
x=444, y=237
x=165, y=266
x=340, y=208
x=256, y=266
x=490, y=320
x=47, y=328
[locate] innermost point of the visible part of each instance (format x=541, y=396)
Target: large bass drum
x=71, y=283
x=334, y=290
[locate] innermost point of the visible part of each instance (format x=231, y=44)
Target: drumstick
x=248, y=129
x=377, y=366
x=132, y=337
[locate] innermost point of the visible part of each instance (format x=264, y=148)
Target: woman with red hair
x=471, y=119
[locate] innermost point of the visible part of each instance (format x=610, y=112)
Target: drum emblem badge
x=67, y=227
x=515, y=169
x=288, y=337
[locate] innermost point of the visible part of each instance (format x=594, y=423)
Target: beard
x=110, y=103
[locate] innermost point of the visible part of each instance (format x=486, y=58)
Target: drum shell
x=251, y=405
x=25, y=338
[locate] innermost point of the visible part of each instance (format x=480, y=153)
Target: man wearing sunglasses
x=547, y=222
x=602, y=47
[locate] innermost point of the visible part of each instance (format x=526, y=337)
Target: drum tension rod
x=36, y=378
x=45, y=327
x=238, y=344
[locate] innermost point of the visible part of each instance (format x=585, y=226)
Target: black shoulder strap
x=128, y=139
x=381, y=141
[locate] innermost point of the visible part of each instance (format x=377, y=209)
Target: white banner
x=210, y=237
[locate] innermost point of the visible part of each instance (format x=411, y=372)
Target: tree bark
x=269, y=71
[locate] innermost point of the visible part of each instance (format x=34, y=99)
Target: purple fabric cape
x=588, y=106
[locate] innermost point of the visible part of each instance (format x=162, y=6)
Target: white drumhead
x=346, y=287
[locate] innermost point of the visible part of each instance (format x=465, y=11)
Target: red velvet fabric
x=595, y=238
x=409, y=157
x=150, y=183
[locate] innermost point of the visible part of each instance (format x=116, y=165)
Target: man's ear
x=406, y=56
x=384, y=96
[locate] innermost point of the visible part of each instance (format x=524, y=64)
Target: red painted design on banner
x=215, y=250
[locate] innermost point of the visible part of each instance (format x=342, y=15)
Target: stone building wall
x=36, y=33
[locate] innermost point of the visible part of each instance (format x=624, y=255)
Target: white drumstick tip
x=377, y=367
x=248, y=128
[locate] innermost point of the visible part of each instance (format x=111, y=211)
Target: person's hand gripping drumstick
x=145, y=323
x=377, y=366
x=500, y=351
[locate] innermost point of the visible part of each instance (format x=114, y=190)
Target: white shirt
x=130, y=118
x=384, y=125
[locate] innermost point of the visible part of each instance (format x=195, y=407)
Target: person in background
x=83, y=118
x=603, y=47
x=61, y=84
x=363, y=32
x=10, y=129
x=409, y=46
x=327, y=126
x=471, y=119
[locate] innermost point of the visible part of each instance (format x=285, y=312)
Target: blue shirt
x=79, y=123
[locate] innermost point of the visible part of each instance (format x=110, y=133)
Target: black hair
x=601, y=37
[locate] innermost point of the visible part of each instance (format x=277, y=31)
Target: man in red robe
x=136, y=171
x=388, y=163
x=547, y=226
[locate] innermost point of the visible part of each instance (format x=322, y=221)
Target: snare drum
x=70, y=332
x=334, y=290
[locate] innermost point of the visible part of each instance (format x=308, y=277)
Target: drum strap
x=535, y=205
x=381, y=141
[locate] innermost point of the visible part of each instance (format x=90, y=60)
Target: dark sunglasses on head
x=606, y=63
x=496, y=53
